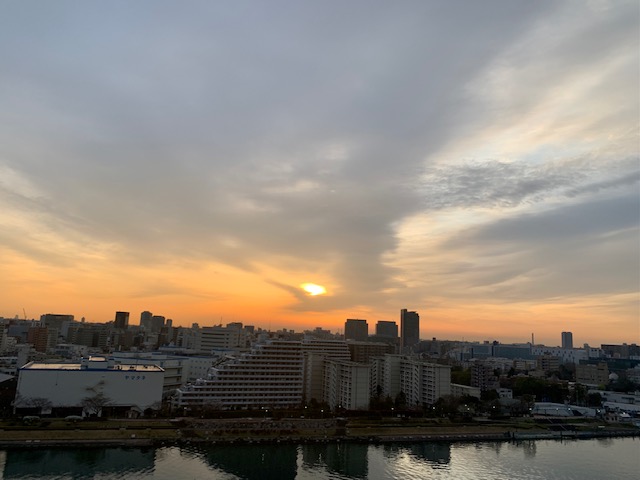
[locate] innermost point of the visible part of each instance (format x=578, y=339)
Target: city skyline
x=296, y=165
x=382, y=328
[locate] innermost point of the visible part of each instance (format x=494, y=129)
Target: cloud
x=298, y=142
x=499, y=184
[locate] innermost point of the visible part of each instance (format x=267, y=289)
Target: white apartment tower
x=346, y=384
x=421, y=382
x=424, y=383
x=316, y=352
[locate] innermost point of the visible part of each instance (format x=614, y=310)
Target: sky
x=477, y=162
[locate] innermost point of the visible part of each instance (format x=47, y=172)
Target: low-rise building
x=458, y=390
x=547, y=363
x=592, y=374
x=565, y=355
x=88, y=387
x=505, y=393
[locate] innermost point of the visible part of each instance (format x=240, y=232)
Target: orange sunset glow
x=306, y=166
x=313, y=289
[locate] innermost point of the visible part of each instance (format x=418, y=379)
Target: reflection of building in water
x=496, y=446
x=349, y=460
x=529, y=448
x=434, y=453
x=266, y=462
x=82, y=462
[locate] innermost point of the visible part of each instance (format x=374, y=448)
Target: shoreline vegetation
x=186, y=431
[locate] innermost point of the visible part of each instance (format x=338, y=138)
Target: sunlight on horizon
x=313, y=289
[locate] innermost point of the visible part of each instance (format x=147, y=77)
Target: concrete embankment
x=253, y=431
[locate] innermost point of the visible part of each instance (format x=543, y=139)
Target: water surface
x=609, y=458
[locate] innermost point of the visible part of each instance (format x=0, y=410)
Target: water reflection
x=526, y=459
x=606, y=442
x=277, y=462
x=348, y=459
x=529, y=447
x=435, y=454
x=78, y=463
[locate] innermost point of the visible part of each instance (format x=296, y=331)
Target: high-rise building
x=55, y=320
x=316, y=353
x=58, y=324
x=157, y=322
x=356, y=330
x=387, y=329
x=121, y=320
x=409, y=328
x=208, y=339
x=39, y=338
x=145, y=320
x=363, y=352
x=567, y=340
x=421, y=382
x=346, y=384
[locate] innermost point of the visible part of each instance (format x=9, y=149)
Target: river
x=606, y=458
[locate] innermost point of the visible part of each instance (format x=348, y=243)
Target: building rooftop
x=89, y=366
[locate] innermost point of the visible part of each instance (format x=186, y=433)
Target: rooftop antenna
x=532, y=342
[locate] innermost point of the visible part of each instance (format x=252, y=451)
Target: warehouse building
x=93, y=387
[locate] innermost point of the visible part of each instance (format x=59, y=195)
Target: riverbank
x=139, y=433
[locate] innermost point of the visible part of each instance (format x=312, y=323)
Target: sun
x=313, y=289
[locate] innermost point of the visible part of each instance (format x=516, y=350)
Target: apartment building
x=269, y=375
x=421, y=382
x=346, y=384
x=316, y=352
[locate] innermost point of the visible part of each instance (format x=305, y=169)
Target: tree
x=579, y=394
x=594, y=399
x=93, y=405
x=543, y=390
x=447, y=405
x=40, y=404
x=379, y=401
x=489, y=395
x=460, y=376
